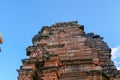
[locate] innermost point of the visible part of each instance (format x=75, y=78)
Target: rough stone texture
x=64, y=51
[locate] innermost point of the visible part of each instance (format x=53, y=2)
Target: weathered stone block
x=64, y=51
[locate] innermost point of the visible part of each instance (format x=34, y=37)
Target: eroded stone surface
x=64, y=51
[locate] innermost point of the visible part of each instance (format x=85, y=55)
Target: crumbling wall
x=64, y=51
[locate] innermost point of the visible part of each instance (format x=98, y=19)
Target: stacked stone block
x=64, y=51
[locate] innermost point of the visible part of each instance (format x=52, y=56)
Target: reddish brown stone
x=64, y=51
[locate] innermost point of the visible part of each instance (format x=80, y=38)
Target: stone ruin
x=64, y=51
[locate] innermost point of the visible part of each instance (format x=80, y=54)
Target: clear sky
x=20, y=20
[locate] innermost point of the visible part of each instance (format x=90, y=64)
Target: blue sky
x=20, y=20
